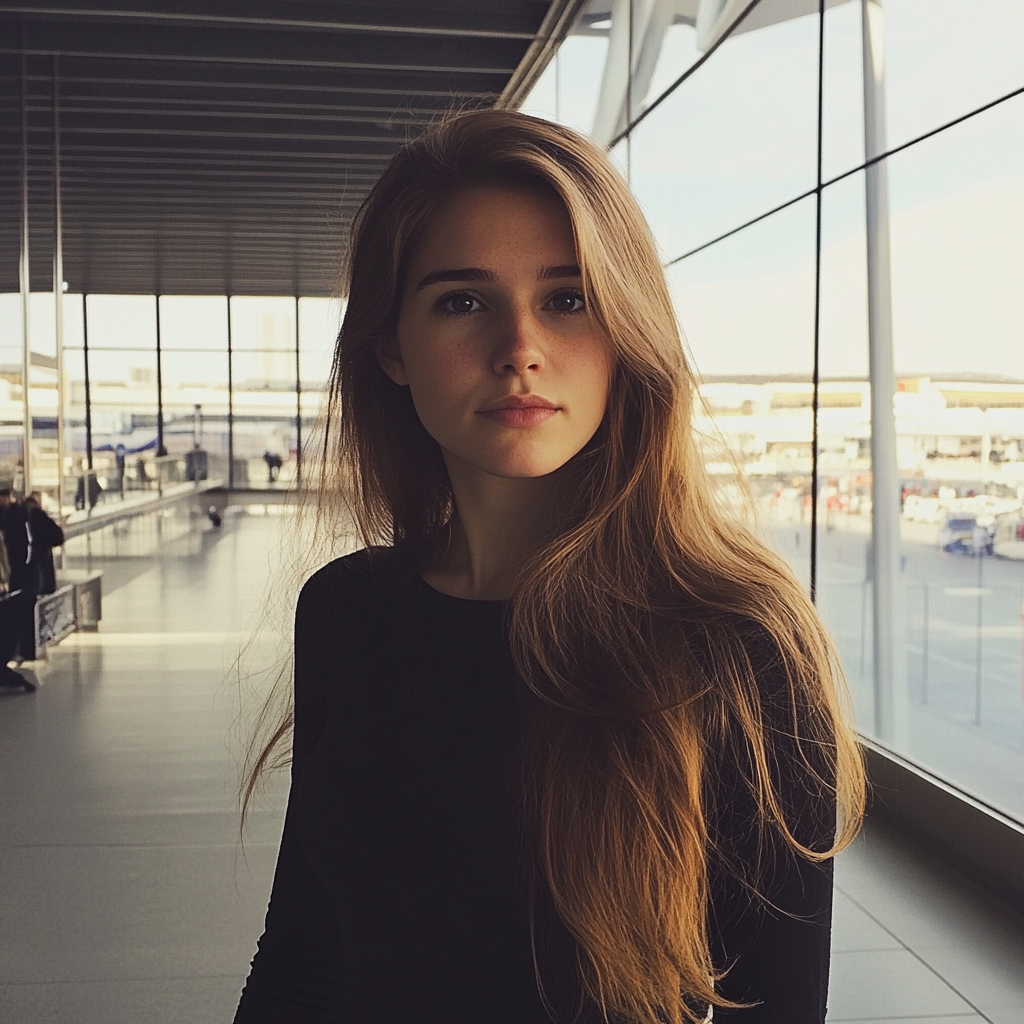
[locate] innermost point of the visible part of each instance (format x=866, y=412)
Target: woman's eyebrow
x=565, y=270
x=478, y=274
x=461, y=274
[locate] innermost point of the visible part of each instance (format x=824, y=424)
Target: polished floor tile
x=125, y=894
x=190, y=1000
x=854, y=931
x=893, y=983
x=895, y=901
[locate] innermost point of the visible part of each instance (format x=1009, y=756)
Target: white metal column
x=58, y=280
x=888, y=635
x=25, y=284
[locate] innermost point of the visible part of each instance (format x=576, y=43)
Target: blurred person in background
x=16, y=611
x=47, y=535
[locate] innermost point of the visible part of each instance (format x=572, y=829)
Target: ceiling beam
x=496, y=20
x=230, y=46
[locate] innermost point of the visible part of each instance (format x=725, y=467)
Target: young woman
x=567, y=739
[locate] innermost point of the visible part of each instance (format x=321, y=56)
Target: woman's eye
x=568, y=302
x=459, y=303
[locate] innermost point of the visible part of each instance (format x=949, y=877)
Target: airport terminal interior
x=836, y=190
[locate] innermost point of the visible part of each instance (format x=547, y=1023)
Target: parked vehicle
x=963, y=535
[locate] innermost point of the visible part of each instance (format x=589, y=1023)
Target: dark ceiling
x=221, y=146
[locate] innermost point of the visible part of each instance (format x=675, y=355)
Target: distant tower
x=275, y=345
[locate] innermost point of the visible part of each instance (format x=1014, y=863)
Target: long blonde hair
x=632, y=629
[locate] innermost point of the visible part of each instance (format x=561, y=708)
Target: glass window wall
x=735, y=140
x=746, y=307
x=264, y=374
x=154, y=402
x=870, y=268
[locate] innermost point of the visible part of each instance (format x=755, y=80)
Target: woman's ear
x=389, y=356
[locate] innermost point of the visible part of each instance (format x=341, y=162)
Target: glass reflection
x=956, y=216
x=678, y=51
x=738, y=138
x=957, y=219
x=944, y=59
x=746, y=306
x=842, y=120
x=567, y=92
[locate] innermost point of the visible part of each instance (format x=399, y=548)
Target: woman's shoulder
x=336, y=606
x=355, y=580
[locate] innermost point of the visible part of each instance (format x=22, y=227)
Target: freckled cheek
x=590, y=380
x=442, y=388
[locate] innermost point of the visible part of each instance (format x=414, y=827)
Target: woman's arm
x=771, y=912
x=297, y=973
x=778, y=949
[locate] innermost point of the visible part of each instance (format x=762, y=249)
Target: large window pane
x=122, y=321
x=677, y=52
x=736, y=139
x=42, y=392
x=194, y=322
x=945, y=58
x=842, y=122
x=567, y=92
x=42, y=324
x=941, y=60
x=194, y=375
x=43, y=410
x=43, y=395
x=74, y=398
x=195, y=399
x=11, y=409
x=264, y=374
x=746, y=306
x=958, y=323
x=844, y=591
x=74, y=420
x=124, y=416
x=957, y=215
x=73, y=320
x=319, y=320
x=10, y=321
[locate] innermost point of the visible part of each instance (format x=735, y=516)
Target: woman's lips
x=528, y=417
x=520, y=410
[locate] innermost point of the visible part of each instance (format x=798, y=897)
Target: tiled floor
x=913, y=941
x=125, y=896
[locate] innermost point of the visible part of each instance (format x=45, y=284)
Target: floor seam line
x=924, y=963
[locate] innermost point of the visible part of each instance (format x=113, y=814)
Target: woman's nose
x=519, y=347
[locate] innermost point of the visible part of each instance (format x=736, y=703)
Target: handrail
x=86, y=520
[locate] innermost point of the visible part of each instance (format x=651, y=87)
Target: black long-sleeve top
x=398, y=896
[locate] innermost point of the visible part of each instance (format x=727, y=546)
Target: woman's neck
x=499, y=523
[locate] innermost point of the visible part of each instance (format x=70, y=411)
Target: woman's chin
x=520, y=465
x=519, y=470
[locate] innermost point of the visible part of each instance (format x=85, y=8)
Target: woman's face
x=507, y=371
